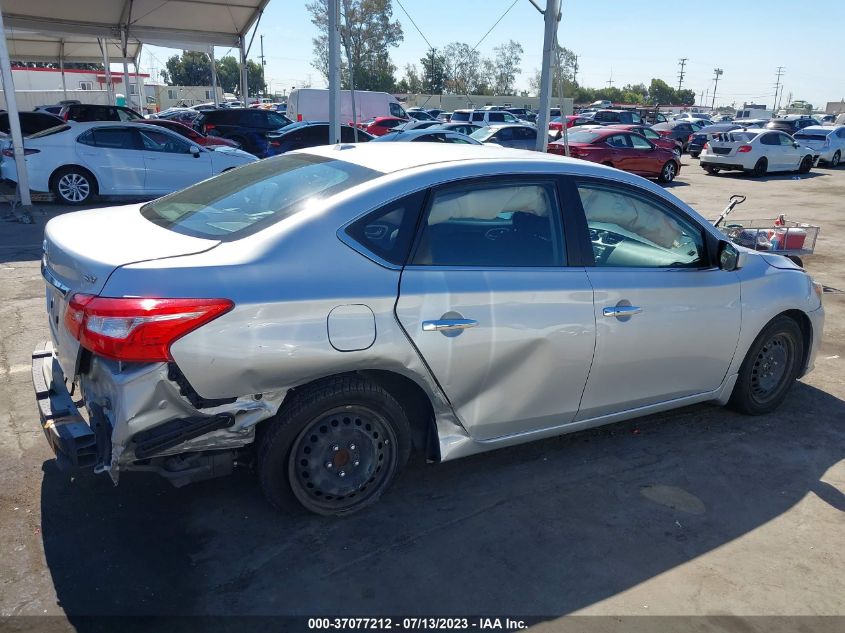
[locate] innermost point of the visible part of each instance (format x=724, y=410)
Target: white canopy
x=26, y=46
x=173, y=23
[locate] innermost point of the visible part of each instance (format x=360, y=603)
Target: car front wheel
x=335, y=448
x=835, y=159
x=771, y=366
x=806, y=165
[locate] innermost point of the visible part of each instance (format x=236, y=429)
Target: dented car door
x=506, y=327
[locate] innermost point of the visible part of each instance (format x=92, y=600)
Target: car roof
x=827, y=129
x=389, y=157
x=416, y=132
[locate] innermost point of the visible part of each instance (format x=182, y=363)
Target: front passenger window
x=631, y=231
x=515, y=225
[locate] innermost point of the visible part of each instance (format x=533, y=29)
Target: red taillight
x=135, y=329
x=299, y=117
x=10, y=153
x=707, y=146
x=664, y=132
x=66, y=116
x=743, y=149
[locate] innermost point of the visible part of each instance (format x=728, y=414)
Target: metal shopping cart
x=792, y=238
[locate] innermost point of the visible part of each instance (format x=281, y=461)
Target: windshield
x=483, y=133
x=733, y=137
x=277, y=120
x=810, y=136
x=243, y=201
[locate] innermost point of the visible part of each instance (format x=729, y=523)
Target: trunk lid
x=82, y=249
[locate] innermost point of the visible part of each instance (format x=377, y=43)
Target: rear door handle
x=448, y=325
x=621, y=311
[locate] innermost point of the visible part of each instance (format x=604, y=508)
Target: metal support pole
x=124, y=49
x=139, y=87
x=213, y=76
x=14, y=120
x=104, y=46
x=551, y=15
x=62, y=66
x=334, y=71
x=244, y=85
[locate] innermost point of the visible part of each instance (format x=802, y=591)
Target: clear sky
x=630, y=40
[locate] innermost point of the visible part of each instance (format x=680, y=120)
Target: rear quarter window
x=389, y=232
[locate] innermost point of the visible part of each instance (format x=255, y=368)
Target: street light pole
x=334, y=71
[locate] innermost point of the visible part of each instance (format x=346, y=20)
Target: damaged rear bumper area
x=135, y=417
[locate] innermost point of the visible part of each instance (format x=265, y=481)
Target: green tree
x=463, y=68
x=228, y=74
x=660, y=93
x=433, y=72
x=367, y=32
x=687, y=97
x=191, y=68
x=507, y=60
x=411, y=82
x=255, y=78
x=563, y=74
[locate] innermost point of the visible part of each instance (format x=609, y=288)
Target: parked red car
x=572, y=120
x=190, y=133
x=381, y=125
x=623, y=150
x=661, y=141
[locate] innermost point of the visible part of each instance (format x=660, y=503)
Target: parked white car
x=78, y=161
x=484, y=117
x=756, y=151
x=828, y=141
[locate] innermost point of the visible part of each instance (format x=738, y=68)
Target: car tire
x=836, y=159
x=806, y=165
x=694, y=155
x=73, y=185
x=770, y=367
x=711, y=170
x=334, y=448
x=668, y=172
x=760, y=168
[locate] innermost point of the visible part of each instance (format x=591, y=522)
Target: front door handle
x=448, y=325
x=621, y=311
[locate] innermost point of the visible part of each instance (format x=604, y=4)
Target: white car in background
x=828, y=141
x=757, y=152
x=80, y=160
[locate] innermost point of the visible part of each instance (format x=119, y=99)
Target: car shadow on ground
x=545, y=528
x=768, y=177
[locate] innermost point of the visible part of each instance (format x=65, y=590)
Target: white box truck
x=312, y=104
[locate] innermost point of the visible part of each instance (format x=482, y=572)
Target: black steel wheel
x=343, y=458
x=771, y=366
x=760, y=168
x=334, y=448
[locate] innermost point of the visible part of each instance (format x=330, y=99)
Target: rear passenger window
x=515, y=225
x=497, y=117
x=389, y=232
x=769, y=139
x=116, y=138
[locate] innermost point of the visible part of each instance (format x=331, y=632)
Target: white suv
x=483, y=118
x=756, y=151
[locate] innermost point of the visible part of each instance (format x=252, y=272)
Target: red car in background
x=621, y=149
x=381, y=125
x=572, y=120
x=190, y=133
x=661, y=141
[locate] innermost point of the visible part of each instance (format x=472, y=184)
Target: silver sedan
x=329, y=310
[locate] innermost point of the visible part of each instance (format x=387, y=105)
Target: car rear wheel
x=770, y=367
x=760, y=168
x=335, y=448
x=836, y=159
x=806, y=165
x=74, y=185
x=668, y=172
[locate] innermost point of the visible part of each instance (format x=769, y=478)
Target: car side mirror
x=730, y=258
x=195, y=151
x=796, y=145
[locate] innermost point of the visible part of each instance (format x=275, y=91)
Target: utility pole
x=610, y=81
x=719, y=73
x=263, y=62
x=777, y=87
x=551, y=17
x=575, y=70
x=682, y=62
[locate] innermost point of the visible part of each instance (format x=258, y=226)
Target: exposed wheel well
x=413, y=399
x=806, y=326
x=58, y=170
